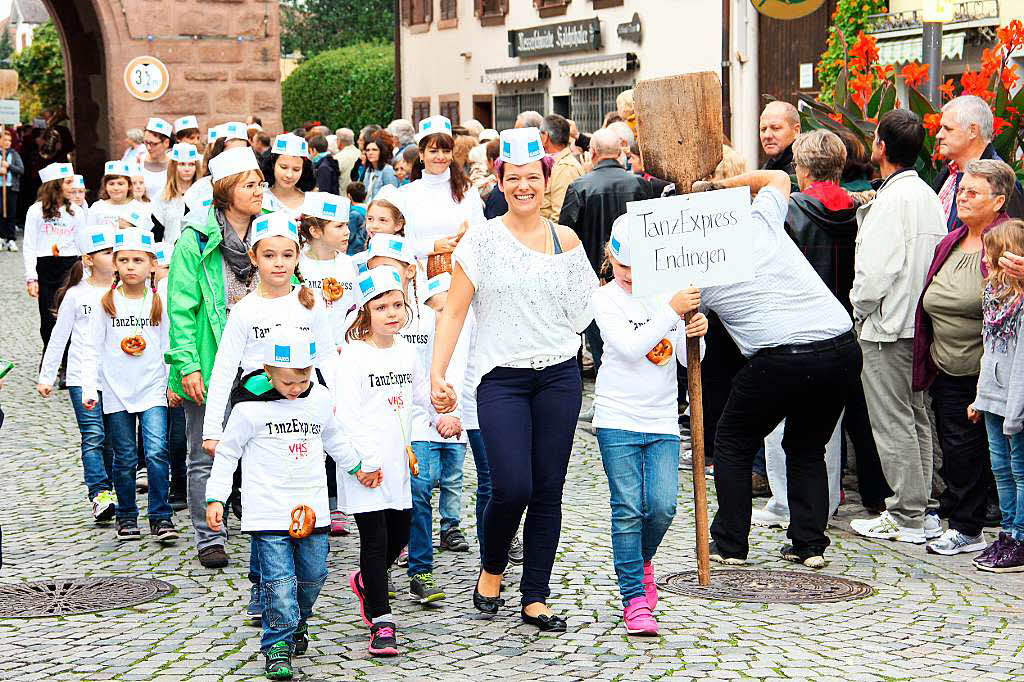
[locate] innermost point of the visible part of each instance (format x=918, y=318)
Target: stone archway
x=222, y=56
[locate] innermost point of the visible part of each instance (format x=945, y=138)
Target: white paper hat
x=232, y=162
x=277, y=224
x=95, y=238
x=618, y=243
x=159, y=126
x=139, y=216
x=393, y=196
x=326, y=206
x=434, y=124
x=520, y=146
x=378, y=281
x=212, y=133
x=233, y=130
x=391, y=246
x=359, y=262
x=290, y=145
x=134, y=239
x=183, y=151
x=289, y=347
x=163, y=254
x=79, y=182
x=488, y=134
x=135, y=168
x=56, y=171
x=438, y=284
x=199, y=197
x=186, y=123
x=117, y=168
x=254, y=126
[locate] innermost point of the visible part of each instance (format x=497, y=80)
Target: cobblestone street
x=930, y=618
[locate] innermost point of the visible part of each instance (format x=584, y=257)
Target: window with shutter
x=490, y=12
x=420, y=110
x=450, y=110
x=551, y=8
x=417, y=12
x=449, y=10
x=602, y=4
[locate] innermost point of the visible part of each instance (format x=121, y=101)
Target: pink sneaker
x=650, y=588
x=638, y=618
x=339, y=526
x=355, y=581
x=383, y=641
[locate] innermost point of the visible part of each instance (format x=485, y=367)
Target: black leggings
x=382, y=535
x=51, y=272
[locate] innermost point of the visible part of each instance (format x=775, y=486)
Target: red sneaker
x=355, y=581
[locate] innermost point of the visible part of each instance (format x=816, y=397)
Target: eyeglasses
x=251, y=186
x=152, y=143
x=972, y=193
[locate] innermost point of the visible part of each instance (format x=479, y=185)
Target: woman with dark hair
x=289, y=175
x=442, y=204
x=378, y=165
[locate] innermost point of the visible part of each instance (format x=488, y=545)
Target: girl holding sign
x=635, y=413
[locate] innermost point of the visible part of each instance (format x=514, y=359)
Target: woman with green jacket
x=210, y=272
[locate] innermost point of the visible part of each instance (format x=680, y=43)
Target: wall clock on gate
x=146, y=78
x=786, y=9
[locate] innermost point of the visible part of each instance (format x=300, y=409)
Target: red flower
x=838, y=118
x=998, y=124
x=947, y=89
x=883, y=71
x=1009, y=77
x=1011, y=111
x=1011, y=36
x=991, y=61
x=937, y=155
x=863, y=85
x=914, y=74
x=865, y=48
x=932, y=123
x=976, y=83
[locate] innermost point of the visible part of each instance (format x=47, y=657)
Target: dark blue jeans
x=293, y=573
x=440, y=466
x=1007, y=453
x=126, y=459
x=483, y=482
x=97, y=450
x=528, y=418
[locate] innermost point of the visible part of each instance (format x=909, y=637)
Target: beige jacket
x=565, y=170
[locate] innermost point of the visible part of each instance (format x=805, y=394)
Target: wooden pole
x=700, y=490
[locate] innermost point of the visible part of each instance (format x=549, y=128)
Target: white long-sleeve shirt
x=105, y=212
x=243, y=342
x=170, y=213
x=281, y=444
x=373, y=401
x=132, y=383
x=80, y=303
x=49, y=236
x=632, y=393
x=431, y=211
x=424, y=416
x=340, y=268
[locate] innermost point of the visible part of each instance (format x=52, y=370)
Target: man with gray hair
x=529, y=119
x=346, y=157
x=554, y=135
x=965, y=134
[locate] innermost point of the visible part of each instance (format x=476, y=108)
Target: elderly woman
x=948, y=350
x=530, y=284
x=210, y=272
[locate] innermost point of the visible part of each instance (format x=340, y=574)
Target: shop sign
x=568, y=36
x=786, y=9
x=631, y=30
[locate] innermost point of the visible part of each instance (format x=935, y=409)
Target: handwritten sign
x=10, y=112
x=702, y=240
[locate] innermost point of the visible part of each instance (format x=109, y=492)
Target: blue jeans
x=97, y=451
x=1007, y=453
x=643, y=479
x=126, y=459
x=440, y=464
x=483, y=482
x=293, y=573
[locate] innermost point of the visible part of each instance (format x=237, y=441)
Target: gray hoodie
x=1001, y=381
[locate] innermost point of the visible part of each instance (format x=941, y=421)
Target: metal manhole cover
x=767, y=587
x=63, y=597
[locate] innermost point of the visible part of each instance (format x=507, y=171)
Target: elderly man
x=965, y=134
x=404, y=131
x=529, y=119
x=779, y=126
x=346, y=157
x=554, y=135
x=594, y=201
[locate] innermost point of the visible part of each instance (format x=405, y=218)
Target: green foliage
x=314, y=26
x=849, y=19
x=351, y=86
x=40, y=67
x=6, y=48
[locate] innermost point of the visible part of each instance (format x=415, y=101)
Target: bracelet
x=210, y=500
x=356, y=470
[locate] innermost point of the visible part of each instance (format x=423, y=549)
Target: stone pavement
x=930, y=618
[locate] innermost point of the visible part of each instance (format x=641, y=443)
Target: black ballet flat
x=545, y=623
x=487, y=605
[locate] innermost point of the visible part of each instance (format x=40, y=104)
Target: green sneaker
x=423, y=589
x=103, y=506
x=279, y=662
x=300, y=640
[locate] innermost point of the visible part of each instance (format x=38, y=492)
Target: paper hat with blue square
x=186, y=123
x=432, y=125
x=138, y=215
x=78, y=181
x=290, y=145
x=391, y=246
x=159, y=126
x=393, y=196
x=438, y=284
x=232, y=162
x=56, y=171
x=277, y=224
x=134, y=239
x=326, y=206
x=289, y=347
x=183, y=151
x=618, y=243
x=135, y=168
x=95, y=238
x=359, y=262
x=117, y=168
x=520, y=146
x=233, y=131
x=163, y=254
x=199, y=197
x=377, y=281
x=212, y=134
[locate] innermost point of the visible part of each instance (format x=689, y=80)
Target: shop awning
x=517, y=74
x=909, y=50
x=591, y=66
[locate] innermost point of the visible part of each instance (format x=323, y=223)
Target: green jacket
x=197, y=302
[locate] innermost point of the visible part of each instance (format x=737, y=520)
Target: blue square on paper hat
x=146, y=239
x=365, y=285
x=97, y=238
x=312, y=348
x=533, y=147
x=507, y=148
x=395, y=245
x=119, y=238
x=292, y=227
x=615, y=244
x=282, y=353
x=330, y=209
x=395, y=276
x=280, y=144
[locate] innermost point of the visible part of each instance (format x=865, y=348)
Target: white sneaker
x=932, y=526
x=12, y=246
x=767, y=519
x=955, y=542
x=885, y=527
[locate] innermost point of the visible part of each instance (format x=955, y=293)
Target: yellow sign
x=146, y=78
x=786, y=9
x=938, y=10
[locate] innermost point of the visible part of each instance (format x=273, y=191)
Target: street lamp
x=935, y=13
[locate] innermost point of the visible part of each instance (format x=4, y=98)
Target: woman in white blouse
x=530, y=284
